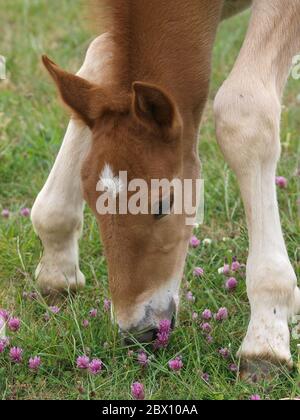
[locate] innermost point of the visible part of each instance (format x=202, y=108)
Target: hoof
x=265, y=350
x=53, y=282
x=254, y=370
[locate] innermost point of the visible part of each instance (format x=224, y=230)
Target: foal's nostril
x=148, y=336
x=143, y=338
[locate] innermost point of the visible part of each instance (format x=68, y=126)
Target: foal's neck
x=168, y=43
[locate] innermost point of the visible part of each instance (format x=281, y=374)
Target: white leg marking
x=248, y=110
x=57, y=214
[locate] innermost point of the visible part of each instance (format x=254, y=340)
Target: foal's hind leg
x=57, y=214
x=248, y=111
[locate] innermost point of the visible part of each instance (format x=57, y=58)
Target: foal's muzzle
x=145, y=335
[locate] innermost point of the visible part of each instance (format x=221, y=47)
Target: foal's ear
x=153, y=106
x=82, y=97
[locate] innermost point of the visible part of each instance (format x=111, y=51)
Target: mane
x=153, y=40
x=114, y=16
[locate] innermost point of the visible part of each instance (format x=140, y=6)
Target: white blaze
x=110, y=183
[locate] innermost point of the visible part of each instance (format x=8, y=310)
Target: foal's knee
x=247, y=125
x=59, y=229
x=51, y=219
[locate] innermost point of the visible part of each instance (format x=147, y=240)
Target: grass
x=31, y=128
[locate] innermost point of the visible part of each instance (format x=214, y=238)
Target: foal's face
x=140, y=134
x=145, y=252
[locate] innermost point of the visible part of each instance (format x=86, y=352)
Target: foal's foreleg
x=57, y=214
x=248, y=112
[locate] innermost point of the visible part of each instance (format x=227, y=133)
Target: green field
x=32, y=125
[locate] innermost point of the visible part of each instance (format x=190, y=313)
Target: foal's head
x=140, y=133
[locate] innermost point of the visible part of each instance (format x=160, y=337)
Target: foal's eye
x=164, y=208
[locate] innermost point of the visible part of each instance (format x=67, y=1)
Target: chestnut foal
x=137, y=104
